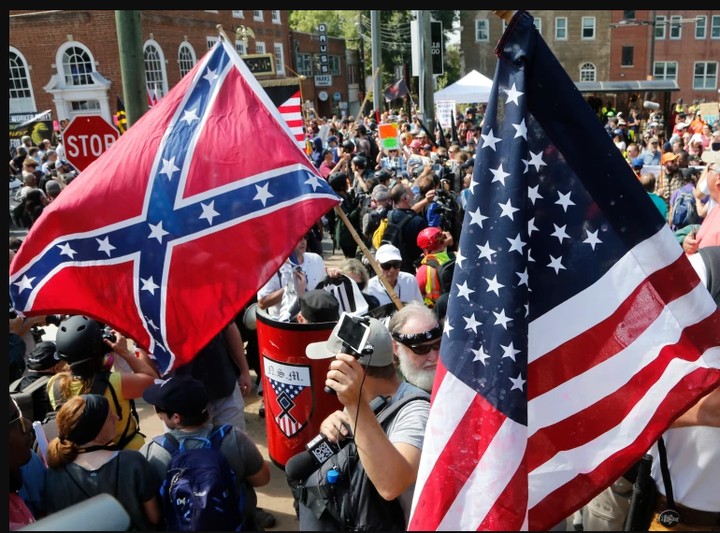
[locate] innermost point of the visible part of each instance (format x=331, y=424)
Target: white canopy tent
x=474, y=88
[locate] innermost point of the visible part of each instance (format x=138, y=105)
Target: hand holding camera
x=345, y=379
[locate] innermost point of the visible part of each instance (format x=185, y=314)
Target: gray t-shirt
x=126, y=477
x=408, y=427
x=241, y=453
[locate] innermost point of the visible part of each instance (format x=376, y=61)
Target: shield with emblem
x=289, y=399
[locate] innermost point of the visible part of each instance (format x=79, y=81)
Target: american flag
x=577, y=330
x=291, y=112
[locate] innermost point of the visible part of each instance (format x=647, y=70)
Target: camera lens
x=53, y=320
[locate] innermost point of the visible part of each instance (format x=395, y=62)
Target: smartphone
x=437, y=168
x=353, y=333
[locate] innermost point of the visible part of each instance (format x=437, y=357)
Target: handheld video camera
x=354, y=333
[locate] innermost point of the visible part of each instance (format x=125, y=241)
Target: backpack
x=393, y=232
x=199, y=492
x=352, y=503
x=684, y=210
x=25, y=398
x=444, y=273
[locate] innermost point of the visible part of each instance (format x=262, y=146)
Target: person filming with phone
x=378, y=438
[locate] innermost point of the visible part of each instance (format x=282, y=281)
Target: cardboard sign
x=709, y=113
x=389, y=136
x=445, y=111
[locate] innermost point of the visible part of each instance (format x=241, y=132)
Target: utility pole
x=427, y=102
x=363, y=80
x=132, y=63
x=652, y=45
x=376, y=59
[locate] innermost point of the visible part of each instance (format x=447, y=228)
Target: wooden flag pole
x=506, y=15
x=370, y=258
x=367, y=94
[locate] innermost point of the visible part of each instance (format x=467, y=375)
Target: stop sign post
x=87, y=138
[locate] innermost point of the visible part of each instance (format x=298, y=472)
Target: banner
x=38, y=126
x=389, y=136
x=445, y=112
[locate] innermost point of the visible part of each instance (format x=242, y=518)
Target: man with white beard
x=417, y=335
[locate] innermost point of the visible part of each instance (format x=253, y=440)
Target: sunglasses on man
x=392, y=264
x=20, y=418
x=424, y=349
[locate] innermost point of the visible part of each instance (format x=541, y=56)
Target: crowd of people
x=406, y=208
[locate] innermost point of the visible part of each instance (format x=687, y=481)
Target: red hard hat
x=430, y=238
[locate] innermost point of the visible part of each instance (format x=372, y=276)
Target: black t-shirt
x=128, y=477
x=215, y=368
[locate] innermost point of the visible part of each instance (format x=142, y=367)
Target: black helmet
x=382, y=175
x=80, y=338
x=348, y=146
x=359, y=161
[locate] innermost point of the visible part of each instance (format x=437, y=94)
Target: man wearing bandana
x=416, y=335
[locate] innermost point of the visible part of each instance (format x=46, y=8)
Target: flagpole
x=302, y=98
x=506, y=15
x=367, y=94
x=381, y=276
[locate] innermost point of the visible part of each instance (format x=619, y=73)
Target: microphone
x=300, y=467
x=654, y=106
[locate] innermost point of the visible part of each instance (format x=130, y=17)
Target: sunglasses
x=20, y=418
x=392, y=264
x=424, y=349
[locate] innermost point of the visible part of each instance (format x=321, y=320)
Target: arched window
x=21, y=96
x=77, y=66
x=186, y=58
x=588, y=72
x=155, y=68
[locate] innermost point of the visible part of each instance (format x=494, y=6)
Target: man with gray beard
x=417, y=335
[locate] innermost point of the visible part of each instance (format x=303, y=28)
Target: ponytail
x=61, y=453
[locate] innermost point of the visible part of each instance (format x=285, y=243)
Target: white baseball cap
x=387, y=253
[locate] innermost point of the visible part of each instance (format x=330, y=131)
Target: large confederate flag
x=168, y=234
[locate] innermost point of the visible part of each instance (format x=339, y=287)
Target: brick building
x=580, y=39
x=686, y=49
x=68, y=60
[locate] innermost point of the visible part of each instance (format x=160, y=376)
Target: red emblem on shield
x=290, y=398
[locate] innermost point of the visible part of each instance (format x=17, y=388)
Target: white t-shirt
x=694, y=464
x=407, y=289
x=313, y=267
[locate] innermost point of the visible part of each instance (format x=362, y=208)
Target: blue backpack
x=684, y=210
x=199, y=492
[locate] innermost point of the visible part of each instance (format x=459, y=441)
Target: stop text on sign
x=93, y=144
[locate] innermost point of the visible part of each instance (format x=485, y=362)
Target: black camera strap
x=669, y=517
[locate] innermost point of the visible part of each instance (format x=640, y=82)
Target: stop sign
x=86, y=139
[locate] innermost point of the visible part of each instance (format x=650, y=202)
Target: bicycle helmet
x=78, y=339
x=382, y=175
x=359, y=161
x=348, y=146
x=430, y=238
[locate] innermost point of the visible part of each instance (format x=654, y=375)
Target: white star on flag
x=510, y=351
x=513, y=94
x=523, y=277
x=556, y=264
x=480, y=355
x=520, y=130
x=169, y=168
x=516, y=244
x=517, y=383
x=560, y=233
x=25, y=283
x=209, y=212
x=210, y=76
x=66, y=250
x=464, y=291
x=533, y=194
x=459, y=258
x=152, y=325
x=508, y=210
x=592, y=238
x=149, y=285
x=501, y=319
x=486, y=251
x=490, y=140
x=564, y=200
x=105, y=246
x=499, y=174
x=493, y=285
x=262, y=194
x=527, y=165
x=536, y=160
x=531, y=226
x=448, y=328
x=472, y=186
x=313, y=181
x=189, y=116
x=157, y=232
x=471, y=323
x=477, y=218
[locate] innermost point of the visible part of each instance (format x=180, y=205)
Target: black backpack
x=444, y=273
x=394, y=232
x=352, y=503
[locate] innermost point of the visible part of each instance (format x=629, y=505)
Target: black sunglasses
x=424, y=349
x=392, y=264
